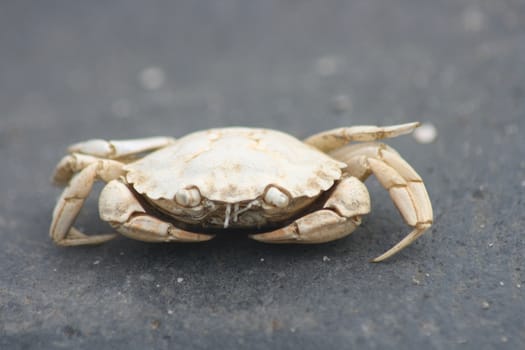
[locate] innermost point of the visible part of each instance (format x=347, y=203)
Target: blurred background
x=71, y=71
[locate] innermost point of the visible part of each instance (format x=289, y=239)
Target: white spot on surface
x=473, y=19
x=180, y=280
x=262, y=259
x=523, y=183
x=478, y=151
x=429, y=328
x=328, y=65
x=152, y=78
x=511, y=129
x=121, y=108
x=485, y=305
x=96, y=262
x=367, y=328
x=170, y=312
x=342, y=104
x=501, y=283
x=325, y=258
x=147, y=277
x=426, y=133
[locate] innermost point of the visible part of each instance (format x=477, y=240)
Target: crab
x=278, y=188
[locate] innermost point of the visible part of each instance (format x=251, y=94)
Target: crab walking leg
x=405, y=186
x=114, y=149
x=119, y=207
x=332, y=139
x=72, y=200
x=70, y=165
x=340, y=216
x=84, y=153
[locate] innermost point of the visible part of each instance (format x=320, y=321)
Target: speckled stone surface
x=71, y=71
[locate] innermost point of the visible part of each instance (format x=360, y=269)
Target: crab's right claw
x=119, y=207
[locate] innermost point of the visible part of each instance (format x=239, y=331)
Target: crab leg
x=70, y=165
x=84, y=153
x=332, y=139
x=122, y=210
x=405, y=186
x=340, y=216
x=115, y=149
x=73, y=198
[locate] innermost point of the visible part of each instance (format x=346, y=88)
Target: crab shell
x=223, y=177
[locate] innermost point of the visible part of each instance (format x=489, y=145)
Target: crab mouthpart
x=233, y=214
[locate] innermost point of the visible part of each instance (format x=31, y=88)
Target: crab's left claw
x=340, y=216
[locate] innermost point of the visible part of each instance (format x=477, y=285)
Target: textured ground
x=77, y=70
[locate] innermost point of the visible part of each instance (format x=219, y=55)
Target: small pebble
x=152, y=78
x=485, y=305
x=180, y=280
x=473, y=19
x=170, y=312
x=96, y=262
x=426, y=133
x=341, y=104
x=121, y=108
x=328, y=65
x=325, y=258
x=501, y=283
x=511, y=129
x=155, y=324
x=262, y=259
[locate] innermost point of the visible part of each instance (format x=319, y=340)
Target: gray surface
x=69, y=71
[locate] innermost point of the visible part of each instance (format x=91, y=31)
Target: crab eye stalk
x=276, y=197
x=188, y=197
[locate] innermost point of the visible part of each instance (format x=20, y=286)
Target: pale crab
x=280, y=189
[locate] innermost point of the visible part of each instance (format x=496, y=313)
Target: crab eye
x=276, y=197
x=188, y=197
